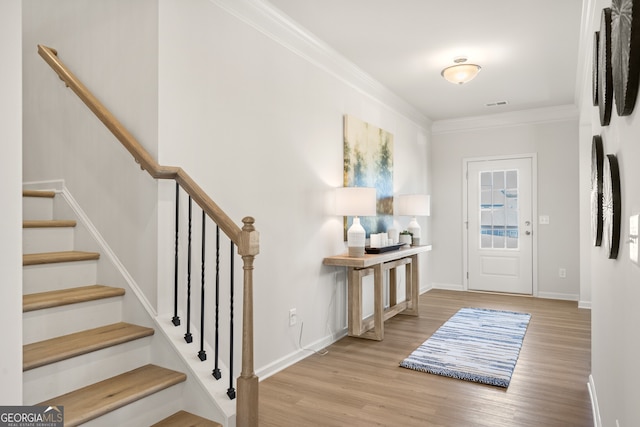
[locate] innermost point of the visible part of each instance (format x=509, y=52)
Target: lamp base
x=356, y=251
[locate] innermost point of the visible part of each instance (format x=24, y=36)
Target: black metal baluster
x=202, y=355
x=188, y=337
x=231, y=392
x=216, y=370
x=176, y=319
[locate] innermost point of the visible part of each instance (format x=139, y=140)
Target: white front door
x=499, y=230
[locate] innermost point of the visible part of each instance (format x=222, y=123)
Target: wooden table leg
x=354, y=301
x=377, y=333
x=393, y=287
x=413, y=284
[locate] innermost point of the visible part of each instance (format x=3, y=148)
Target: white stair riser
x=37, y=208
x=40, y=325
x=49, y=239
x=144, y=412
x=52, y=380
x=49, y=277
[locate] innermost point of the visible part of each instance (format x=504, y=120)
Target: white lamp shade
x=356, y=201
x=414, y=204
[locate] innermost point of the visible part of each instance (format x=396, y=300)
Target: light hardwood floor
x=359, y=382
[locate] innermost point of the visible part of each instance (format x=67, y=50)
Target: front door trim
x=534, y=210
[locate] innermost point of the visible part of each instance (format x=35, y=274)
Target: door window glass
x=499, y=215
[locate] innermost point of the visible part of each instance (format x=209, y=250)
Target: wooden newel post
x=247, y=404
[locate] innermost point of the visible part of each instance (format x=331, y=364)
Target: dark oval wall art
x=611, y=205
x=594, y=68
x=625, y=54
x=605, y=90
x=597, y=159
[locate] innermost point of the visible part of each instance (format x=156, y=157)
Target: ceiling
x=528, y=49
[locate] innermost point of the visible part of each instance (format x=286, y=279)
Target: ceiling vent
x=495, y=104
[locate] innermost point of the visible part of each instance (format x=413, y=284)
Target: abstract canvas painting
x=368, y=162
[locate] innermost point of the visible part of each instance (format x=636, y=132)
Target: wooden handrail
x=141, y=156
x=246, y=238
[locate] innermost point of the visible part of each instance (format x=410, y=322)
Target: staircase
x=78, y=352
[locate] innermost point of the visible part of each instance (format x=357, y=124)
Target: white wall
x=259, y=125
x=11, y=196
x=615, y=284
x=553, y=135
x=111, y=46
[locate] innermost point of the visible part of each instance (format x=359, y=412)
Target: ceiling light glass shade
x=461, y=73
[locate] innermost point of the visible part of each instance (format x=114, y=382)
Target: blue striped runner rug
x=475, y=344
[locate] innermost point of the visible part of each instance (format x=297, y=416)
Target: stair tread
x=67, y=346
x=97, y=399
x=38, y=193
x=49, y=299
x=186, y=419
x=47, y=223
x=55, y=257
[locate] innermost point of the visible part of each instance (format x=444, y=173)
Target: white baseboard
x=559, y=296
x=597, y=421
x=584, y=304
x=302, y=353
x=448, y=286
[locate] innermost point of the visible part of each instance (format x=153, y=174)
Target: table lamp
x=414, y=205
x=356, y=202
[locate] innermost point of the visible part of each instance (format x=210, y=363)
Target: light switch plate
x=544, y=220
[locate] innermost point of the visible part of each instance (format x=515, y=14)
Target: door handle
x=528, y=233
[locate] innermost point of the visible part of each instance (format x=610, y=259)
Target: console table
x=377, y=264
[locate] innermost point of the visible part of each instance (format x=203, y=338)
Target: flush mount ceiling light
x=461, y=72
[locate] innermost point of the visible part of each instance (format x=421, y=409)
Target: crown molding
x=268, y=20
x=560, y=113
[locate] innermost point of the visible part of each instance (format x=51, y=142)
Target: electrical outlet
x=562, y=272
x=293, y=317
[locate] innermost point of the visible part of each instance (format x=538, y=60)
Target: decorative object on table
x=394, y=235
x=594, y=68
x=356, y=202
x=379, y=240
x=625, y=54
x=461, y=72
x=405, y=237
x=597, y=160
x=605, y=76
x=476, y=344
x=382, y=249
x=368, y=162
x=611, y=205
x=414, y=205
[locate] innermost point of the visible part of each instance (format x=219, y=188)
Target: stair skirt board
x=64, y=376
